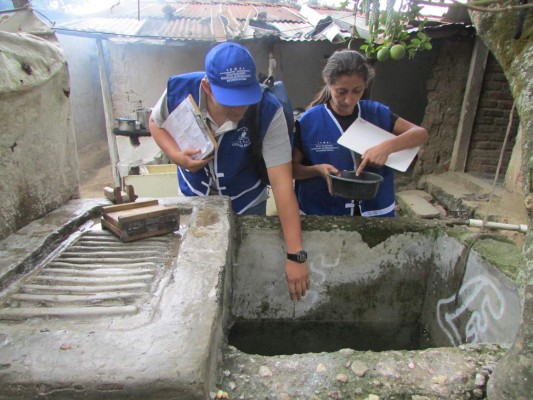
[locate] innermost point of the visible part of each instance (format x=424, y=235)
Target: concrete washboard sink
x=84, y=315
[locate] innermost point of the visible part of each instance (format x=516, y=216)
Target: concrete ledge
x=413, y=202
x=464, y=196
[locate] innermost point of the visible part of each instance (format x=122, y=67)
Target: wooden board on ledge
x=138, y=220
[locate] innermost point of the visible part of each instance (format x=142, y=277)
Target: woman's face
x=346, y=93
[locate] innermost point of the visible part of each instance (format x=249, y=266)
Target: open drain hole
x=279, y=337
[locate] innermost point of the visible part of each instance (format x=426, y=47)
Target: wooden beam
x=463, y=136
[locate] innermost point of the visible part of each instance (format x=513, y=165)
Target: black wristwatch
x=299, y=257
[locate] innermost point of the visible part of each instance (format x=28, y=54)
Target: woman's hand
x=408, y=135
x=374, y=157
x=324, y=170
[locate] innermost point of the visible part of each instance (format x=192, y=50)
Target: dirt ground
x=95, y=169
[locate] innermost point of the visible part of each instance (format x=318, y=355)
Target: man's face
x=234, y=114
x=221, y=112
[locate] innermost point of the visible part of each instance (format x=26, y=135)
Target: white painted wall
x=86, y=92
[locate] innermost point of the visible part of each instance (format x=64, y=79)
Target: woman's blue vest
x=235, y=174
x=319, y=134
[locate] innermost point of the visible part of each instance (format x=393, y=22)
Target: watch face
x=301, y=256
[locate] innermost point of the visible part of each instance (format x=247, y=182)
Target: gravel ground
x=441, y=373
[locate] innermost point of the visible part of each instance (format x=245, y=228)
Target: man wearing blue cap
x=224, y=93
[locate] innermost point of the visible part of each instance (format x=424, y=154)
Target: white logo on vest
x=242, y=140
x=325, y=146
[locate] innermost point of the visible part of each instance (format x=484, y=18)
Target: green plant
x=393, y=26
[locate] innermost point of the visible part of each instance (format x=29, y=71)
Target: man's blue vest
x=233, y=170
x=319, y=134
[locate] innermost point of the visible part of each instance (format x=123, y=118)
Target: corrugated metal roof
x=116, y=26
x=194, y=9
x=209, y=21
x=183, y=28
x=197, y=21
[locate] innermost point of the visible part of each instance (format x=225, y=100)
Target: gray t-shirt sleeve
x=160, y=110
x=276, y=145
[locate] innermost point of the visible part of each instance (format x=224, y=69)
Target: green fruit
x=397, y=52
x=383, y=54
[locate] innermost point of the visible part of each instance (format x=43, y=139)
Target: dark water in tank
x=279, y=337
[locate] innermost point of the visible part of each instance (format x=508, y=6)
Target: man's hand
x=297, y=278
x=184, y=160
x=297, y=274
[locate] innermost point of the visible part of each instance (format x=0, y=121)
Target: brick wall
x=490, y=125
x=446, y=88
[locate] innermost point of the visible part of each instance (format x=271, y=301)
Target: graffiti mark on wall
x=318, y=276
x=482, y=299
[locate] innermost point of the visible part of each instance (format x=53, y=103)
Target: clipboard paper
x=189, y=129
x=362, y=135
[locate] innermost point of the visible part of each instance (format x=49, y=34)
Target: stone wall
x=445, y=88
x=37, y=145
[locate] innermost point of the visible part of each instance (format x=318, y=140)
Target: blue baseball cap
x=230, y=70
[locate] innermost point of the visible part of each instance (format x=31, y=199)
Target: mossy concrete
x=399, y=271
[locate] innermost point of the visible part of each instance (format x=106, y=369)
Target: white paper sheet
x=188, y=130
x=362, y=135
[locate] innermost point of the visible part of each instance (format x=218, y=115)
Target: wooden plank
x=127, y=238
x=117, y=192
x=110, y=220
x=128, y=206
x=150, y=231
x=108, y=225
x=151, y=212
x=109, y=193
x=474, y=82
x=131, y=192
x=144, y=213
x=147, y=224
x=160, y=230
x=134, y=221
